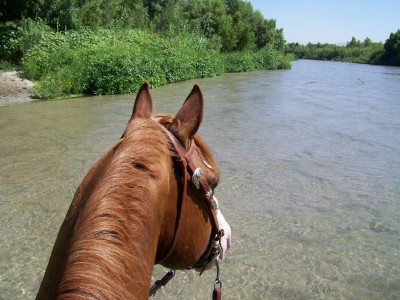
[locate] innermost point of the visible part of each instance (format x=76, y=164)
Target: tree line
x=367, y=51
x=232, y=24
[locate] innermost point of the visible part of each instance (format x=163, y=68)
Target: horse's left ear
x=188, y=119
x=143, y=104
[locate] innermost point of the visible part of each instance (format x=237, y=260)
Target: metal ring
x=217, y=282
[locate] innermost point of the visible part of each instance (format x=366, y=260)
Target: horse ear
x=188, y=119
x=143, y=104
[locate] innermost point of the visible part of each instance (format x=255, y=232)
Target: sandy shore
x=14, y=89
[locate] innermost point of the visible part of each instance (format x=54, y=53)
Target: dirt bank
x=14, y=88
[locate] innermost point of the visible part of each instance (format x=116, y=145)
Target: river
x=310, y=161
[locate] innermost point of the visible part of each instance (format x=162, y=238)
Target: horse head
x=188, y=231
x=148, y=200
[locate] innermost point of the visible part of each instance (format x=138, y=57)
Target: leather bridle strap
x=191, y=171
x=180, y=151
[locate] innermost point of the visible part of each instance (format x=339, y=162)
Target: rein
x=194, y=174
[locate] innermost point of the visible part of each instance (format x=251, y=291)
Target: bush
x=119, y=61
x=16, y=38
x=8, y=47
x=119, y=72
x=108, y=62
x=183, y=64
x=7, y=66
x=265, y=59
x=239, y=62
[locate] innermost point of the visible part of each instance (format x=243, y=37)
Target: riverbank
x=14, y=89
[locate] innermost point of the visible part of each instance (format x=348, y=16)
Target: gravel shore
x=14, y=89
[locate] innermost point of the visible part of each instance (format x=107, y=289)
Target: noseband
x=194, y=174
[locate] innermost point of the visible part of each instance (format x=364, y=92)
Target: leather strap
x=162, y=282
x=217, y=294
x=187, y=162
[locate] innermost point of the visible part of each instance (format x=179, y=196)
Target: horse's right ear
x=188, y=119
x=143, y=104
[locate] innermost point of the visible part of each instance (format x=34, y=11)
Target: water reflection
x=311, y=180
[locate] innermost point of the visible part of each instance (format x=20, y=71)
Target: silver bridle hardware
x=196, y=177
x=209, y=193
x=214, y=203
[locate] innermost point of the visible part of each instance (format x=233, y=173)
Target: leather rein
x=194, y=174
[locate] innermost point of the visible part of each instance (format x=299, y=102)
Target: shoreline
x=14, y=89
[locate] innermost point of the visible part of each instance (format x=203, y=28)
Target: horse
x=149, y=199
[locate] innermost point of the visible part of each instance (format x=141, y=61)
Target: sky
x=332, y=21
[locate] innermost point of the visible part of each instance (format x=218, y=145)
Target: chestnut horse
x=137, y=206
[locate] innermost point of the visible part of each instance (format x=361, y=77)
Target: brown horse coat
x=123, y=215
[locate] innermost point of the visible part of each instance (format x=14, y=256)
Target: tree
x=367, y=42
x=353, y=43
x=211, y=18
x=261, y=30
x=108, y=13
x=266, y=32
x=168, y=16
x=74, y=14
x=230, y=25
x=11, y=10
x=391, y=55
x=242, y=17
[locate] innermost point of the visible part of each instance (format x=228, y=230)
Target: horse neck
x=107, y=244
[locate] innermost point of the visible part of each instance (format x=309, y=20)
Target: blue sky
x=332, y=21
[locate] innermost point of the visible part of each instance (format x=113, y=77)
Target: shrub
x=7, y=66
x=119, y=61
x=118, y=73
x=108, y=63
x=266, y=58
x=9, y=50
x=16, y=38
x=239, y=62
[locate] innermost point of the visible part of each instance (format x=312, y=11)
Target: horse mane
x=103, y=249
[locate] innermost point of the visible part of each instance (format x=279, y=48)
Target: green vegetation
x=73, y=47
x=391, y=53
x=366, y=52
x=7, y=66
x=112, y=46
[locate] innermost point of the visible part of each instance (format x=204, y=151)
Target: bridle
x=194, y=174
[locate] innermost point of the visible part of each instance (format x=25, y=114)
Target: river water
x=311, y=180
